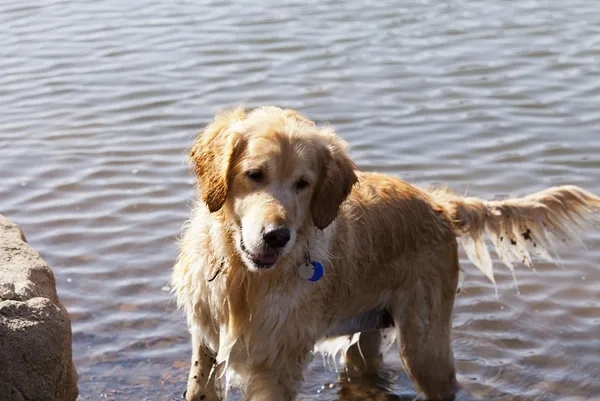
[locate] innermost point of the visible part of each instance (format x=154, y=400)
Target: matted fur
x=386, y=246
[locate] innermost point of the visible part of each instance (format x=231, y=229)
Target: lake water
x=99, y=101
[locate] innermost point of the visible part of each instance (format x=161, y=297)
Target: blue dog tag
x=311, y=272
x=319, y=270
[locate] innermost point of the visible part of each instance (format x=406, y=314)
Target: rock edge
x=35, y=328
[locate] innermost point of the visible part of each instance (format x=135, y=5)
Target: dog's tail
x=519, y=228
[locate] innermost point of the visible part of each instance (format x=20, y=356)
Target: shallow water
x=99, y=101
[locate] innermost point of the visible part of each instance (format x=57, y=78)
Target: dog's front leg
x=279, y=383
x=201, y=383
x=269, y=386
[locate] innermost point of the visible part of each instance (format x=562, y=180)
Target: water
x=99, y=102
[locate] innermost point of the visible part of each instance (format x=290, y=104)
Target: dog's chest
x=282, y=325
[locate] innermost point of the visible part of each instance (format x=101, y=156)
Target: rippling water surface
x=99, y=101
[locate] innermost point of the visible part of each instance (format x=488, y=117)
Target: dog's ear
x=212, y=155
x=336, y=181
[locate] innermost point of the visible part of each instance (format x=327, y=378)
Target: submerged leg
x=365, y=356
x=424, y=338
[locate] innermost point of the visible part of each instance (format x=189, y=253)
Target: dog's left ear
x=212, y=155
x=335, y=184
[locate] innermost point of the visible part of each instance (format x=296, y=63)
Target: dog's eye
x=255, y=175
x=301, y=184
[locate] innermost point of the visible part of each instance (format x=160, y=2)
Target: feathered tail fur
x=519, y=228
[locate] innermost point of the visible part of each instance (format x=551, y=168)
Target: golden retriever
x=278, y=195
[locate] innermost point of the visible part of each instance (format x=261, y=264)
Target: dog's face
x=272, y=174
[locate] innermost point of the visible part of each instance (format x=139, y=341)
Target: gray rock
x=35, y=328
x=10, y=393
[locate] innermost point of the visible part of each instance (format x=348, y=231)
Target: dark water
x=99, y=101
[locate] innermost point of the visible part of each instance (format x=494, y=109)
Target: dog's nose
x=277, y=238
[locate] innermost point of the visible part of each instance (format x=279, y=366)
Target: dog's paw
x=195, y=394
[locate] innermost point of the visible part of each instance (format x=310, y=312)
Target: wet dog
x=289, y=244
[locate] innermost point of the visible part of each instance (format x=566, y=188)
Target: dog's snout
x=277, y=237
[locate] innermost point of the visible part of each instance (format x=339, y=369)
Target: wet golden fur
x=385, y=244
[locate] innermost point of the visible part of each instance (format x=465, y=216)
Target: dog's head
x=272, y=174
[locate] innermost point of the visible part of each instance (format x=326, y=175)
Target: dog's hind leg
x=365, y=356
x=423, y=324
x=201, y=383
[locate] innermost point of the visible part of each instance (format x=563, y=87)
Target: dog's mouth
x=262, y=260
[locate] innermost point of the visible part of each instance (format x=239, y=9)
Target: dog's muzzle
x=261, y=260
